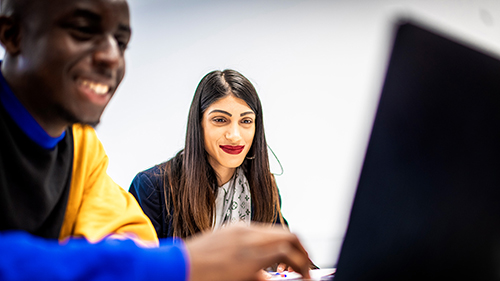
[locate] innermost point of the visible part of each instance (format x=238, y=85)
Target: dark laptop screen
x=427, y=204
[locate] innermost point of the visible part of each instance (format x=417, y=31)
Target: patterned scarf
x=233, y=203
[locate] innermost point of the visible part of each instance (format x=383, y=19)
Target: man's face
x=72, y=56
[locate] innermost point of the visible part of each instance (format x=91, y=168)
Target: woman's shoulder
x=153, y=177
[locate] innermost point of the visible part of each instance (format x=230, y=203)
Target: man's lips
x=94, y=86
x=232, y=149
x=97, y=92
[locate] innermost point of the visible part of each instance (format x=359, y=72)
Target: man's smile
x=96, y=87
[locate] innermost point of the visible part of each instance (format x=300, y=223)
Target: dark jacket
x=148, y=188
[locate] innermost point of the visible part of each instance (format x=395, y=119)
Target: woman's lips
x=232, y=149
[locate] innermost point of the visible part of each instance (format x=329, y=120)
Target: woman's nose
x=233, y=133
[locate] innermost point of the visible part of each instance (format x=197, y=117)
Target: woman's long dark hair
x=191, y=181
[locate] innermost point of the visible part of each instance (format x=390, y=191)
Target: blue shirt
x=27, y=257
x=23, y=118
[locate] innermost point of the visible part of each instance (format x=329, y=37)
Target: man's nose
x=108, y=53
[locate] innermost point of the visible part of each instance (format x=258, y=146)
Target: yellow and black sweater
x=97, y=206
x=61, y=189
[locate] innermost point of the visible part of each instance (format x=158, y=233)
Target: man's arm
x=234, y=253
x=97, y=206
x=26, y=257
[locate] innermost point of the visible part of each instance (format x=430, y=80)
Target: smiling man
x=63, y=61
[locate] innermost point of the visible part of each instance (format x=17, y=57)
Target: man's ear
x=9, y=35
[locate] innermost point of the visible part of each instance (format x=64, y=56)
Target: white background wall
x=317, y=66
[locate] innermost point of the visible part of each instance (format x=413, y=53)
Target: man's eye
x=122, y=44
x=85, y=29
x=83, y=32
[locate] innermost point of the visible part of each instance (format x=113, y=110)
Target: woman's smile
x=228, y=130
x=232, y=149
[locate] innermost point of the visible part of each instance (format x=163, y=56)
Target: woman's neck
x=224, y=175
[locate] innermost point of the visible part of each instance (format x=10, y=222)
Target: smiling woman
x=222, y=175
x=228, y=129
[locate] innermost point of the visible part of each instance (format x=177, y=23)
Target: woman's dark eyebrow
x=230, y=115
x=221, y=111
x=247, y=113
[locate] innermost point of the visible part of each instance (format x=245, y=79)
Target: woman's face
x=228, y=129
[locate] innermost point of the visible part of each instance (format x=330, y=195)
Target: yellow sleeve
x=97, y=206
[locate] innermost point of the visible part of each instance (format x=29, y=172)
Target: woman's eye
x=219, y=120
x=247, y=121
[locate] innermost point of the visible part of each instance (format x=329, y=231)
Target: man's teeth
x=98, y=88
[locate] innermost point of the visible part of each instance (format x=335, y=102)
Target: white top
x=233, y=203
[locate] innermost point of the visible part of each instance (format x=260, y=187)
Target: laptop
x=427, y=205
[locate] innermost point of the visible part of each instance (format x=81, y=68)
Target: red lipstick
x=232, y=149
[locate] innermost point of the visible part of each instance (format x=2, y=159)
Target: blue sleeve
x=149, y=198
x=26, y=257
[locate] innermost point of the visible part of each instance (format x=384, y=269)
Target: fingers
x=238, y=253
x=283, y=252
x=275, y=245
x=262, y=275
x=267, y=235
x=281, y=267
